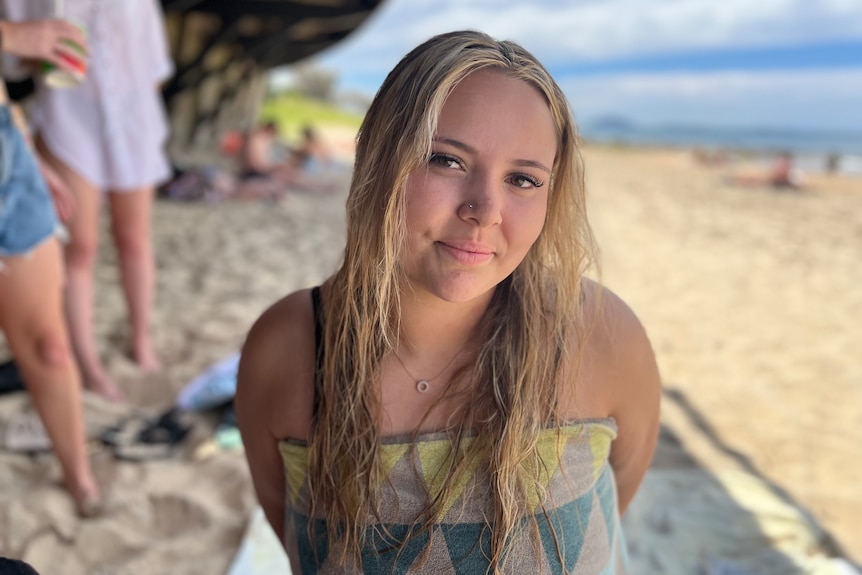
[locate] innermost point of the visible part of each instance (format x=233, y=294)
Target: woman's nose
x=483, y=203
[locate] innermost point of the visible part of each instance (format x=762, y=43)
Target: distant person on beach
x=781, y=175
x=31, y=272
x=214, y=185
x=107, y=135
x=262, y=174
x=312, y=154
x=710, y=157
x=458, y=393
x=257, y=156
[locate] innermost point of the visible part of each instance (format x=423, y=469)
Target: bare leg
x=131, y=212
x=31, y=315
x=298, y=179
x=80, y=261
x=286, y=172
x=259, y=189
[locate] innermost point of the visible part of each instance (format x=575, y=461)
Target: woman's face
x=479, y=203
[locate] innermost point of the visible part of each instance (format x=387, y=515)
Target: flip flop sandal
x=143, y=451
x=139, y=439
x=125, y=432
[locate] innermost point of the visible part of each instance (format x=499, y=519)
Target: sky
x=785, y=64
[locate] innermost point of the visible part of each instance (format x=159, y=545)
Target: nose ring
x=470, y=206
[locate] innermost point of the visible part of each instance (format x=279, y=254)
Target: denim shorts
x=27, y=215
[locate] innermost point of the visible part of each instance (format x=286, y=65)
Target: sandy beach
x=751, y=297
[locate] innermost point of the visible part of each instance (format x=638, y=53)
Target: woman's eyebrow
x=471, y=150
x=457, y=143
x=533, y=164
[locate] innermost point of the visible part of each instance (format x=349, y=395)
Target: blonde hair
x=526, y=329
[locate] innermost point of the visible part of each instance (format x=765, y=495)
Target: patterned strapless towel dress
x=578, y=515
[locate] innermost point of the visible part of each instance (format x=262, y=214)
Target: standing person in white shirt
x=107, y=136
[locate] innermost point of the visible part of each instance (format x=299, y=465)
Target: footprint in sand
x=173, y=515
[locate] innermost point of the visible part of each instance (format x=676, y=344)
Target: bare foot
x=88, y=498
x=98, y=381
x=146, y=358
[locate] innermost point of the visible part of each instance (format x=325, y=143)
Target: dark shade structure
x=222, y=49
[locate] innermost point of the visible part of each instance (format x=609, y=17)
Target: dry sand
x=752, y=299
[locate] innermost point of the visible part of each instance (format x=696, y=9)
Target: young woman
x=458, y=397
x=31, y=272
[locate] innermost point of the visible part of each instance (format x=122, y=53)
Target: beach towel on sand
x=260, y=552
x=213, y=388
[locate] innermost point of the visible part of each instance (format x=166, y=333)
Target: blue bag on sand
x=213, y=388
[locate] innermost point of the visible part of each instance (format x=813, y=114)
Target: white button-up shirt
x=112, y=128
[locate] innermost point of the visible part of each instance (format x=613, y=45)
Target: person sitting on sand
x=312, y=155
x=257, y=156
x=781, y=175
x=458, y=396
x=261, y=176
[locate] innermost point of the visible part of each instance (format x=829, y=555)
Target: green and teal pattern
x=577, y=512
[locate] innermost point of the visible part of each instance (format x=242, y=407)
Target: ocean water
x=811, y=149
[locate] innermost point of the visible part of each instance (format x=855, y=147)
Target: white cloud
x=825, y=99
x=560, y=32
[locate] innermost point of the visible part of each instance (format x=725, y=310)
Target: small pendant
x=422, y=386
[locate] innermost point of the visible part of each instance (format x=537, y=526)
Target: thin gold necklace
x=422, y=385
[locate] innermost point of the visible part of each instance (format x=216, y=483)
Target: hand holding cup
x=49, y=40
x=69, y=67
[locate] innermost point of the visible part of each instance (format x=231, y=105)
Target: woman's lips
x=466, y=253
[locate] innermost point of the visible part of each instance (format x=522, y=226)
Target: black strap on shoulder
x=317, y=308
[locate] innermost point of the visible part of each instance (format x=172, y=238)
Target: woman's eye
x=445, y=161
x=525, y=181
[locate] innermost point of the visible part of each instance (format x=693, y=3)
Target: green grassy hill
x=291, y=111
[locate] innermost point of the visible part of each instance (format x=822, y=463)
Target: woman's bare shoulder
x=276, y=371
x=609, y=321
x=616, y=358
x=289, y=321
x=626, y=381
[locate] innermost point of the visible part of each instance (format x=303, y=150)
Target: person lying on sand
x=781, y=175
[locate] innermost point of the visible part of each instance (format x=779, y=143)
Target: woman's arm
x=64, y=199
x=628, y=383
x=256, y=384
x=636, y=408
x=274, y=396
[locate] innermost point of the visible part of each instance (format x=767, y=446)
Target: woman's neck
x=433, y=327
